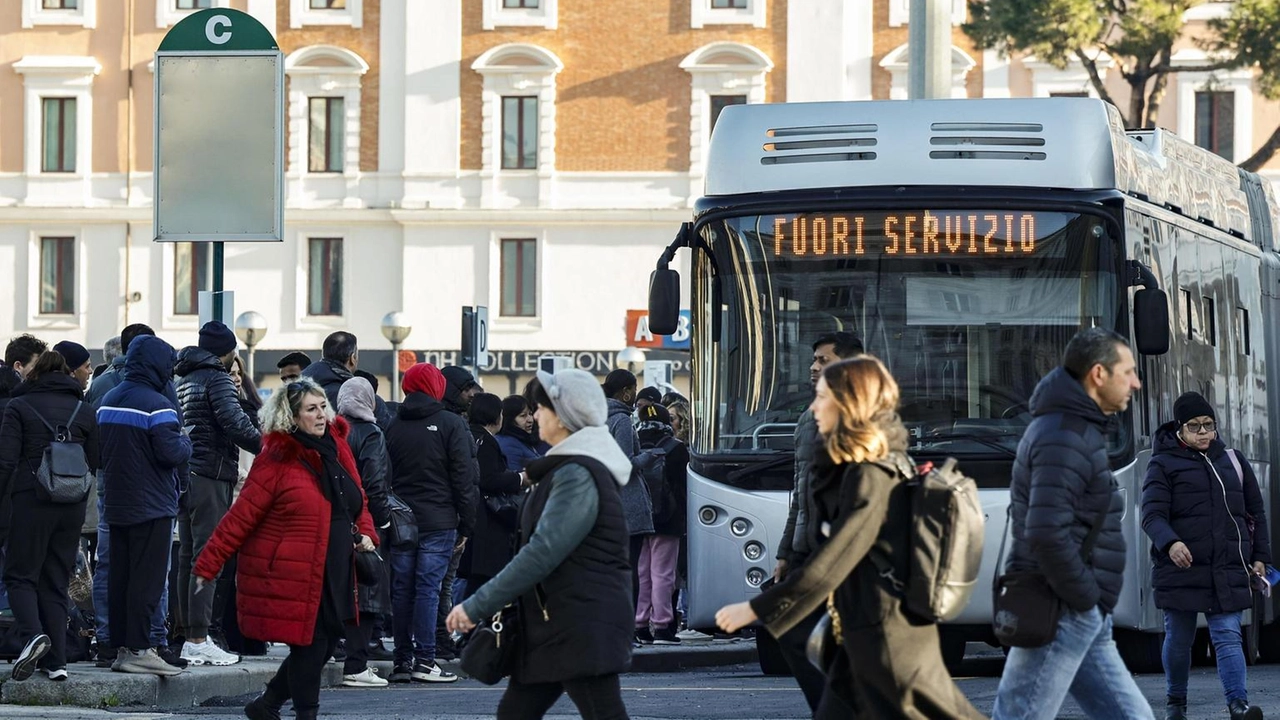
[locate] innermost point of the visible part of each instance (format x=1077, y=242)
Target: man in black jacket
x=1061, y=486
x=434, y=471
x=19, y=355
x=341, y=357
x=218, y=427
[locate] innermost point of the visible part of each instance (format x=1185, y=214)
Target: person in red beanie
x=434, y=471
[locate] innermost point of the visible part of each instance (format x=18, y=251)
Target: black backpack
x=652, y=463
x=63, y=476
x=947, y=531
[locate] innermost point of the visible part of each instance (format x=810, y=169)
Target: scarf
x=335, y=482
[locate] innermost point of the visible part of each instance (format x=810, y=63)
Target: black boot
x=1241, y=710
x=308, y=714
x=1176, y=708
x=264, y=707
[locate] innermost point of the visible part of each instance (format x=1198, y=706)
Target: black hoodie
x=433, y=465
x=457, y=379
x=1061, y=481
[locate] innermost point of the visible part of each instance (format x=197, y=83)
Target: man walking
x=434, y=471
x=796, y=543
x=218, y=427
x=1061, y=483
x=143, y=449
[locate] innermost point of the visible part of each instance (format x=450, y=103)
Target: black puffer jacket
x=369, y=446
x=1199, y=499
x=211, y=409
x=23, y=437
x=433, y=465
x=1061, y=481
x=330, y=375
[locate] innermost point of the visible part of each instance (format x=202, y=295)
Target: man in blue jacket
x=1061, y=486
x=144, y=447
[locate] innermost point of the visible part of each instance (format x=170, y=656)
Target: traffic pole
x=929, y=50
x=217, y=280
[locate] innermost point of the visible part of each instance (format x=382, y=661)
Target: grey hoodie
x=636, y=503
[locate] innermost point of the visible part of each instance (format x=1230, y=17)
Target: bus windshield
x=967, y=308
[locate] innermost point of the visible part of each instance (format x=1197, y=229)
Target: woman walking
x=888, y=664
x=570, y=577
x=1203, y=511
x=302, y=502
x=43, y=535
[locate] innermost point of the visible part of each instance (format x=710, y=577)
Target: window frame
x=65, y=243
x=301, y=14
x=34, y=14
x=197, y=249
x=329, y=134
x=65, y=134
x=495, y=14
x=169, y=14
x=521, y=246
x=521, y=151
x=704, y=12
x=326, y=310
x=1216, y=98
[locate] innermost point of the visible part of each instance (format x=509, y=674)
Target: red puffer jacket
x=280, y=527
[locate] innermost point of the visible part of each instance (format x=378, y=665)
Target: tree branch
x=1264, y=153
x=1094, y=77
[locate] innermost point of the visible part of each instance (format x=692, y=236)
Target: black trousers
x=358, y=637
x=298, y=678
x=41, y=557
x=792, y=645
x=637, y=544
x=135, y=580
x=597, y=698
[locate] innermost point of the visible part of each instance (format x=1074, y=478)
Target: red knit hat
x=425, y=378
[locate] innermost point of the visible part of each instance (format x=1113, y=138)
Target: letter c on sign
x=212, y=31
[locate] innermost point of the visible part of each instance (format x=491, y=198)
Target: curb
x=93, y=687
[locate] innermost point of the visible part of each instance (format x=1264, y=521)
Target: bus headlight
x=755, y=576
x=707, y=515
x=740, y=526
x=753, y=551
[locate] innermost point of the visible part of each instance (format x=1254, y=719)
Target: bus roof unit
x=1062, y=143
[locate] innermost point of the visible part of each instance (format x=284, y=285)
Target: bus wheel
x=1140, y=650
x=771, y=660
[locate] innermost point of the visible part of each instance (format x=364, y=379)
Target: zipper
x=537, y=593
x=1239, y=537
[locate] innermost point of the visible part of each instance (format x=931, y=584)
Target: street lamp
x=396, y=328
x=251, y=327
x=630, y=358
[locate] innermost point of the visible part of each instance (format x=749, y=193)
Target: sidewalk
x=89, y=686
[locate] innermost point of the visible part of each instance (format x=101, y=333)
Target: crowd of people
x=326, y=519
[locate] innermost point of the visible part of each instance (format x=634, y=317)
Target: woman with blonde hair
x=679, y=410
x=296, y=525
x=888, y=662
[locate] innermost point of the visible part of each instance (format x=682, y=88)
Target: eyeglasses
x=1196, y=428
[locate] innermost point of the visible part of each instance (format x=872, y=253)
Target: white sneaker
x=694, y=636
x=206, y=653
x=366, y=679
x=56, y=675
x=431, y=674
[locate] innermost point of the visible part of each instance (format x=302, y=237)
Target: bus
x=965, y=242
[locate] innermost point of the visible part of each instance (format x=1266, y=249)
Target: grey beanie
x=576, y=397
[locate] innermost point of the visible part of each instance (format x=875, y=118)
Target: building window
x=1216, y=121
x=720, y=102
x=194, y=4
x=734, y=4
x=190, y=274
x=519, y=133
x=56, y=12
x=59, y=143
x=57, y=276
x=324, y=12
x=519, y=277
x=518, y=13
x=60, y=4
x=328, y=4
x=325, y=152
x=324, y=277
x=727, y=12
x=521, y=4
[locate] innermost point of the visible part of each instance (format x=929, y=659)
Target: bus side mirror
x=1151, y=321
x=664, y=301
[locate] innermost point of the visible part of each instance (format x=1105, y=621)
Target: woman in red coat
x=297, y=524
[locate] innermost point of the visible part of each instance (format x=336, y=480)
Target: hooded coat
x=280, y=527
x=571, y=578
x=635, y=496
x=457, y=379
x=24, y=438
x=433, y=465
x=211, y=409
x=492, y=543
x=1061, y=481
x=1199, y=499
x=143, y=446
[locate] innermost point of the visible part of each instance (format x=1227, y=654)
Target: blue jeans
x=159, y=633
x=416, y=574
x=1082, y=660
x=1224, y=631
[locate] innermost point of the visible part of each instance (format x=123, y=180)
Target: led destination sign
x=913, y=233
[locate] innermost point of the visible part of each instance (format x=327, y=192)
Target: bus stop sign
x=219, y=131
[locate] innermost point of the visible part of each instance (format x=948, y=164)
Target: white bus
x=965, y=241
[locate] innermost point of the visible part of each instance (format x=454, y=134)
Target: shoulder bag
x=490, y=652
x=1025, y=609
x=404, y=525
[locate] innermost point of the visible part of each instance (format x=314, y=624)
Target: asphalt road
x=737, y=692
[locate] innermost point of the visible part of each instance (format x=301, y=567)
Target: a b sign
x=638, y=334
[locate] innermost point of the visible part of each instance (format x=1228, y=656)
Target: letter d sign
x=213, y=31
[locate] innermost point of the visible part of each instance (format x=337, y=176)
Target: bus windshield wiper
x=760, y=466
x=985, y=440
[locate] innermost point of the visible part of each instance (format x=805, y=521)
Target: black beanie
x=486, y=409
x=1191, y=405
x=217, y=338
x=74, y=353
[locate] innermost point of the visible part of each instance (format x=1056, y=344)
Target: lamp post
x=630, y=358
x=251, y=327
x=396, y=328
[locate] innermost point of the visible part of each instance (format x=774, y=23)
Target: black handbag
x=404, y=525
x=368, y=568
x=490, y=652
x=505, y=509
x=1025, y=609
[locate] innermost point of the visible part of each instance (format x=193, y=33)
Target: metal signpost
x=475, y=337
x=219, y=137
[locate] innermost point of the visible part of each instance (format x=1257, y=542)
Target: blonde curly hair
x=278, y=412
x=867, y=396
